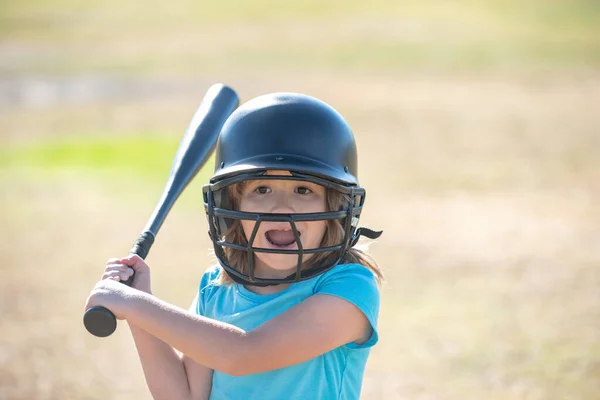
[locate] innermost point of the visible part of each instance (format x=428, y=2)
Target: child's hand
x=120, y=269
x=113, y=295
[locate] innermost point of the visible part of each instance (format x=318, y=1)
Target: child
x=290, y=311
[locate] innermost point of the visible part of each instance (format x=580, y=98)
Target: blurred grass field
x=478, y=132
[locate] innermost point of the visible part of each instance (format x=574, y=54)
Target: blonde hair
x=334, y=233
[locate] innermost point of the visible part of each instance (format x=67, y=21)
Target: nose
x=282, y=203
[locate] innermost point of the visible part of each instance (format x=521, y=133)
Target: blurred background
x=478, y=131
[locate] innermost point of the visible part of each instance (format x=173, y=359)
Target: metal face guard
x=221, y=218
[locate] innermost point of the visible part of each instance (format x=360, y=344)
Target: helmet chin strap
x=366, y=232
x=313, y=271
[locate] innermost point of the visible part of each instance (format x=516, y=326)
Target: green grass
x=142, y=155
x=132, y=168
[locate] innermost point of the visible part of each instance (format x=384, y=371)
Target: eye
x=303, y=190
x=262, y=190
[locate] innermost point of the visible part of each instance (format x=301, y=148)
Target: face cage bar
x=351, y=214
x=296, y=176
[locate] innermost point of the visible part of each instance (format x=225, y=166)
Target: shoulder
x=210, y=277
x=209, y=284
x=350, y=274
x=352, y=282
x=357, y=285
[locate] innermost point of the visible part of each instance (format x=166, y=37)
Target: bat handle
x=100, y=321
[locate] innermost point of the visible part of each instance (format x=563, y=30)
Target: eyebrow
x=259, y=182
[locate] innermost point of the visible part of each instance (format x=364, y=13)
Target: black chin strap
x=242, y=281
x=313, y=271
x=366, y=232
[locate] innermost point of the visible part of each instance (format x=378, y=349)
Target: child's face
x=284, y=197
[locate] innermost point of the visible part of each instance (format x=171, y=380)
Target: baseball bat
x=197, y=144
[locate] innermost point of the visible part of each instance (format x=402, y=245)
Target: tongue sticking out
x=281, y=238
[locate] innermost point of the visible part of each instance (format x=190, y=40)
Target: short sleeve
x=356, y=284
x=205, y=289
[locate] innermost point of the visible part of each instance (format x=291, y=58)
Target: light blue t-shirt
x=336, y=374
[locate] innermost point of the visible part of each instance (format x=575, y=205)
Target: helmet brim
x=284, y=162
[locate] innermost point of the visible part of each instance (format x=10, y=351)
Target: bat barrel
x=196, y=146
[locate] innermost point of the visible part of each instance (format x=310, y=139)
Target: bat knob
x=99, y=321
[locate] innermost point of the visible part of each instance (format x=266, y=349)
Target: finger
x=119, y=267
x=134, y=261
x=111, y=275
x=112, y=270
x=116, y=275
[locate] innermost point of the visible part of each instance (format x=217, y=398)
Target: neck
x=264, y=271
x=267, y=289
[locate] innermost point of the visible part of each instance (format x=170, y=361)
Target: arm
x=307, y=330
x=319, y=324
x=168, y=374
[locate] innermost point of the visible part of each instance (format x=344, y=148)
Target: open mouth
x=281, y=238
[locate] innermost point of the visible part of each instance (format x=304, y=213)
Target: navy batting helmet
x=295, y=133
